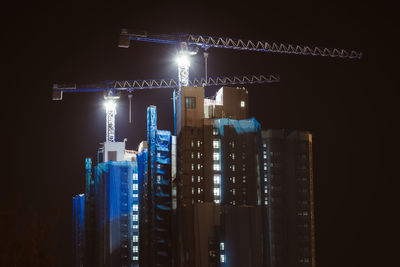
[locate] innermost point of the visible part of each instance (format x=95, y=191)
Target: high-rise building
x=154, y=159
x=219, y=156
x=288, y=195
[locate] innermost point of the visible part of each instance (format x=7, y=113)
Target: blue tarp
x=241, y=126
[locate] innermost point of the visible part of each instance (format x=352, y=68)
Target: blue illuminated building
x=124, y=218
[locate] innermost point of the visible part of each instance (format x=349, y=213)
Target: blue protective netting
x=241, y=126
x=114, y=201
x=78, y=208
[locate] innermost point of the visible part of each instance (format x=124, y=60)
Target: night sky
x=348, y=105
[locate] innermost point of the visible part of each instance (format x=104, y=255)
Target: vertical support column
x=152, y=168
x=110, y=120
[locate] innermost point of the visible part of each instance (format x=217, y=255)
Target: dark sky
x=348, y=105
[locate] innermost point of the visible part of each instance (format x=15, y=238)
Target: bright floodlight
x=110, y=105
x=183, y=60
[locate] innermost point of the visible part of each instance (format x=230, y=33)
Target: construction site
x=219, y=190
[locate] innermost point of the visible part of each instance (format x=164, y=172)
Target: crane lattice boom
x=238, y=44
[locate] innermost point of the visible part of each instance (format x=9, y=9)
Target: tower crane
x=189, y=44
x=112, y=91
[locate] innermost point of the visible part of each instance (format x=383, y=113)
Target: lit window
x=216, y=201
x=198, y=191
x=233, y=167
x=265, y=156
x=135, y=217
x=135, y=195
x=192, y=167
x=192, y=155
x=264, y=145
x=222, y=258
x=233, y=155
x=265, y=168
x=221, y=246
x=266, y=191
x=242, y=104
x=135, y=207
x=215, y=131
x=233, y=144
x=198, y=143
x=216, y=191
x=135, y=187
x=215, y=144
x=217, y=178
x=135, y=258
x=192, y=178
x=216, y=167
x=198, y=179
x=135, y=176
x=266, y=202
x=198, y=155
x=135, y=248
x=192, y=143
x=135, y=226
x=233, y=191
x=233, y=179
x=135, y=238
x=216, y=156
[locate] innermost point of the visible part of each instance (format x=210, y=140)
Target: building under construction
x=224, y=192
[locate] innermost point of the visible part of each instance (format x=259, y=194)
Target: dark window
x=112, y=155
x=190, y=102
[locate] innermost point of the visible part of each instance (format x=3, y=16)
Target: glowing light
x=110, y=105
x=183, y=60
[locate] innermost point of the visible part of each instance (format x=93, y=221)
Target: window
x=198, y=191
x=135, y=187
x=135, y=258
x=192, y=143
x=216, y=191
x=198, y=166
x=242, y=104
x=190, y=102
x=198, y=155
x=135, y=238
x=192, y=155
x=135, y=195
x=233, y=155
x=198, y=179
x=215, y=144
x=135, y=176
x=135, y=248
x=216, y=156
x=222, y=258
x=217, y=178
x=233, y=191
x=135, y=217
x=198, y=143
x=192, y=191
x=192, y=178
x=135, y=207
x=221, y=246
x=215, y=131
x=233, y=179
x=192, y=167
x=216, y=167
x=233, y=167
